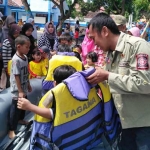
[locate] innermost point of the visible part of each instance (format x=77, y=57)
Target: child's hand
x=29, y=88
x=23, y=104
x=21, y=94
x=38, y=77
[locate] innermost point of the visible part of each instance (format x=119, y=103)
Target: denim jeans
x=135, y=139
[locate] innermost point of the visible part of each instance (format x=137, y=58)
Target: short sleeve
x=16, y=67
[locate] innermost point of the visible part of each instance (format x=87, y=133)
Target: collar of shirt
x=120, y=44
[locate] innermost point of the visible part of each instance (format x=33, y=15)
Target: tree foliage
x=111, y=6
x=142, y=7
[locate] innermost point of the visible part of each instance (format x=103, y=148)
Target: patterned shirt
x=44, y=41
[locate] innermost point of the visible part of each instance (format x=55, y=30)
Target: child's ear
x=18, y=46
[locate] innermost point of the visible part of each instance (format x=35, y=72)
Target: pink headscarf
x=87, y=46
x=135, y=31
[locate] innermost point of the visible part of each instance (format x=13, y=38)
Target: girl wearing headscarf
x=34, y=33
x=8, y=22
x=87, y=46
x=48, y=38
x=8, y=47
x=27, y=30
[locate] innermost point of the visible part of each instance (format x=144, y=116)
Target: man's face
x=100, y=39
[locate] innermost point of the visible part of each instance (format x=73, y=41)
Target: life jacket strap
x=41, y=146
x=43, y=137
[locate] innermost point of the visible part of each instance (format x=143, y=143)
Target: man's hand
x=98, y=76
x=23, y=104
x=29, y=88
x=21, y=94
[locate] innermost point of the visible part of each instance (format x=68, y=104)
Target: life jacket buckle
x=33, y=141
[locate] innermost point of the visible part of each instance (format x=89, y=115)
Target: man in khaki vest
x=120, y=22
x=128, y=74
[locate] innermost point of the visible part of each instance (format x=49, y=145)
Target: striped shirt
x=6, y=52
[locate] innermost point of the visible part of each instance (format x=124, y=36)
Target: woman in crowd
x=134, y=31
x=8, y=22
x=27, y=30
x=48, y=38
x=8, y=48
x=34, y=33
x=87, y=46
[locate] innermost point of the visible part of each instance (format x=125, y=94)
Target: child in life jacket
x=81, y=119
x=91, y=59
x=36, y=67
x=64, y=56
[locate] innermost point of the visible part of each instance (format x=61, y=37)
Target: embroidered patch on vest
x=142, y=62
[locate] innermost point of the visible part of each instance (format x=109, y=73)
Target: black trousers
x=15, y=115
x=135, y=139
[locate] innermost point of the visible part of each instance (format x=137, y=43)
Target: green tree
x=112, y=6
x=142, y=7
x=65, y=14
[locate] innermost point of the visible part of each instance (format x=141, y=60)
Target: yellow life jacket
x=58, y=60
x=78, y=122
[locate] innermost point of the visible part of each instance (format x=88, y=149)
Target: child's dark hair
x=77, y=29
x=36, y=51
x=65, y=36
x=64, y=48
x=77, y=55
x=63, y=72
x=78, y=46
x=93, y=56
x=21, y=39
